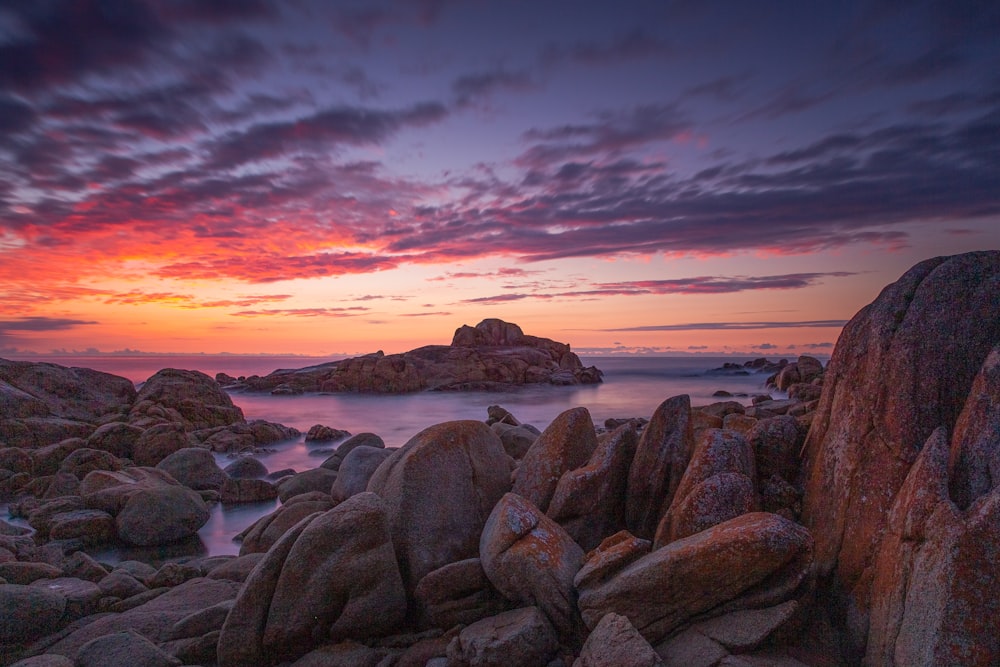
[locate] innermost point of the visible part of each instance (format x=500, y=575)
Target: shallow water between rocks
x=633, y=387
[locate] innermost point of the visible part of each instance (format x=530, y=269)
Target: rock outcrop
x=903, y=367
x=492, y=355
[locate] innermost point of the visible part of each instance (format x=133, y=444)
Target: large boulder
x=564, y=445
x=110, y=490
x=531, y=560
x=123, y=649
x=938, y=566
x=160, y=441
x=195, y=468
x=439, y=488
x=755, y=560
x=589, y=502
x=661, y=458
x=27, y=612
x=903, y=366
x=161, y=515
x=356, y=470
x=29, y=389
x=333, y=576
x=189, y=397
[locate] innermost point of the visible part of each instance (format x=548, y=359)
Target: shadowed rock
x=564, y=445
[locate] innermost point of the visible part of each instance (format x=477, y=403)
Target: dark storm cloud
x=41, y=324
x=61, y=40
x=471, y=87
x=633, y=45
x=337, y=125
x=15, y=116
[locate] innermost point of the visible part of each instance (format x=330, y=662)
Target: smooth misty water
x=633, y=387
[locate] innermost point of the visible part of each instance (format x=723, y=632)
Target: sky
x=326, y=178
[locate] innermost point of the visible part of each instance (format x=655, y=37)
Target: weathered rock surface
x=752, y=561
x=531, y=560
x=458, y=593
x=493, y=354
x=615, y=642
x=589, y=502
x=188, y=397
x=439, y=488
x=333, y=575
x=564, y=445
x=356, y=470
x=717, y=486
x=265, y=531
x=27, y=613
x=195, y=468
x=517, y=637
x=903, y=366
x=123, y=649
x=661, y=458
x=161, y=515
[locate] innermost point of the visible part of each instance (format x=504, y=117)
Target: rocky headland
x=855, y=522
x=493, y=355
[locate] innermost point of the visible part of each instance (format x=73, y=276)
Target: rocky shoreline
x=492, y=356
x=855, y=522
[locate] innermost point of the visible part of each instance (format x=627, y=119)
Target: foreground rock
x=492, y=355
x=903, y=367
x=332, y=576
x=439, y=489
x=752, y=561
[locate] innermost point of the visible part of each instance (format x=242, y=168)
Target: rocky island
x=859, y=527
x=493, y=355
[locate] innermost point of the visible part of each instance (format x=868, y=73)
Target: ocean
x=633, y=387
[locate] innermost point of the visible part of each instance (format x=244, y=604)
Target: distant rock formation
x=492, y=355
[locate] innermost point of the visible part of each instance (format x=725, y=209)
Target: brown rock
x=110, y=490
x=268, y=529
x=589, y=502
x=27, y=612
x=936, y=571
x=440, y=487
x=161, y=515
x=611, y=555
x=158, y=442
x=458, y=593
x=530, y=559
x=517, y=637
x=776, y=443
x=195, y=468
x=81, y=461
x=116, y=438
x=744, y=630
x=91, y=527
x=46, y=460
x=317, y=479
x=235, y=491
x=903, y=366
x=189, y=397
x=333, y=575
x=717, y=486
x=661, y=457
x=974, y=458
x=123, y=649
x=614, y=642
x=566, y=444
x=751, y=561
x=356, y=470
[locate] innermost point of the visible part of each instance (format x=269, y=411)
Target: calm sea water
x=633, y=387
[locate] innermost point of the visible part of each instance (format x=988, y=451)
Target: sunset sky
x=321, y=177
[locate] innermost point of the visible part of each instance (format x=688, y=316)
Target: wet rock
x=356, y=470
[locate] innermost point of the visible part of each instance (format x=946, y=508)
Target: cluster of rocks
x=91, y=461
x=493, y=355
x=861, y=528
